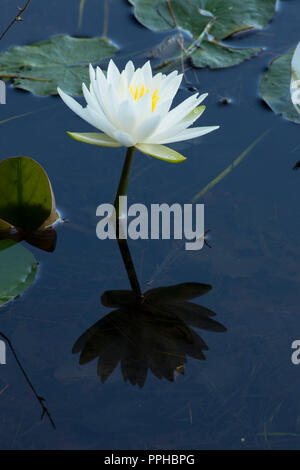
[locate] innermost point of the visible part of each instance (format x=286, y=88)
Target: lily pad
x=18, y=268
x=275, y=87
x=59, y=61
x=26, y=197
x=208, y=22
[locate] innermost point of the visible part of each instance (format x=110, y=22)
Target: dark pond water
x=245, y=394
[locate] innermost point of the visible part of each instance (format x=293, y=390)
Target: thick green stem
x=122, y=188
x=123, y=245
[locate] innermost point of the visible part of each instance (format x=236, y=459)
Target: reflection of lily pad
x=18, y=269
x=275, y=87
x=208, y=22
x=60, y=61
x=26, y=197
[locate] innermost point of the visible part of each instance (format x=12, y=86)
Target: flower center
x=138, y=92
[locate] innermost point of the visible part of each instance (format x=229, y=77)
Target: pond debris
x=171, y=46
x=41, y=400
x=17, y=18
x=227, y=170
x=297, y=166
x=225, y=101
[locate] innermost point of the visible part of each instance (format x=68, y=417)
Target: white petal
x=176, y=114
x=124, y=139
x=123, y=86
x=172, y=89
x=143, y=107
x=191, y=133
x=94, y=138
x=99, y=121
x=296, y=62
x=129, y=71
x=156, y=82
x=69, y=101
x=191, y=117
x=88, y=114
x=137, y=79
x=91, y=100
x=161, y=152
x=105, y=97
x=295, y=79
x=92, y=73
x=146, y=129
x=181, y=126
x=127, y=117
x=94, y=88
x=147, y=73
x=169, y=81
x=113, y=74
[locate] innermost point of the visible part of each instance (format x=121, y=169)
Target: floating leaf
x=208, y=22
x=215, y=55
x=275, y=87
x=59, y=61
x=26, y=196
x=18, y=269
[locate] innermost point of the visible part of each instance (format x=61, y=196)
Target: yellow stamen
x=142, y=91
x=138, y=93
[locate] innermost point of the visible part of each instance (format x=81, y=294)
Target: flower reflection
x=151, y=331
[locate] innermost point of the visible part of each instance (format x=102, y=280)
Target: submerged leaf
x=18, y=269
x=59, y=61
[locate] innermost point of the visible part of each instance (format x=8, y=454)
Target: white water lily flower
x=295, y=79
x=132, y=109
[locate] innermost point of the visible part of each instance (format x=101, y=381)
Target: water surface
x=245, y=394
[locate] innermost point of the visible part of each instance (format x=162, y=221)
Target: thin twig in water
x=17, y=116
x=105, y=21
x=81, y=9
x=16, y=19
x=168, y=2
x=40, y=399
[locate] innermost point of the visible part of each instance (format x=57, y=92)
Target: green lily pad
x=26, y=197
x=18, y=269
x=208, y=22
x=275, y=87
x=59, y=61
x=216, y=55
